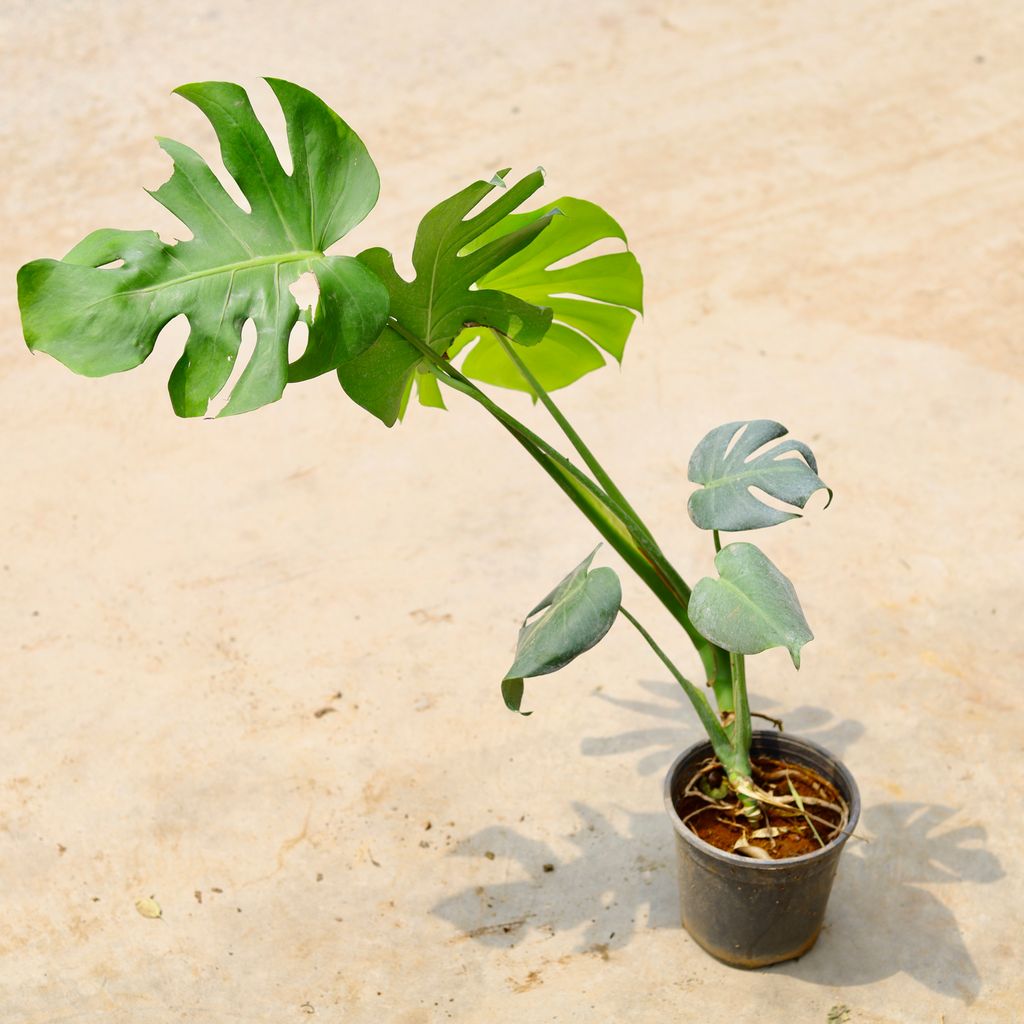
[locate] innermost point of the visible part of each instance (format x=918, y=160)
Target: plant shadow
x=658, y=745
x=882, y=922
x=882, y=918
x=616, y=882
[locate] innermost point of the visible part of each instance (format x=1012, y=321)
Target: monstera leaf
x=238, y=265
x=751, y=607
x=594, y=301
x=570, y=620
x=725, y=501
x=441, y=298
x=495, y=270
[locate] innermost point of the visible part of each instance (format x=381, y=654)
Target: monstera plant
x=500, y=296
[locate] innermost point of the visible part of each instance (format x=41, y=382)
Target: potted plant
x=505, y=297
x=760, y=818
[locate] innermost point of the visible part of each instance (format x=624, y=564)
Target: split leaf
x=238, y=266
x=725, y=501
x=594, y=300
x=751, y=607
x=442, y=298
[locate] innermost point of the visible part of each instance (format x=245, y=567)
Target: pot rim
x=831, y=848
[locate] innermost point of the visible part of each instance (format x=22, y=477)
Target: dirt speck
x=532, y=980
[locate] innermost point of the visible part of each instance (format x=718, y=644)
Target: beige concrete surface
x=827, y=199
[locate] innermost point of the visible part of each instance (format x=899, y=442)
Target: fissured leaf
x=725, y=501
x=238, y=266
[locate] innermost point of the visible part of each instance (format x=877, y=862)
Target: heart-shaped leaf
x=442, y=298
x=594, y=301
x=751, y=607
x=725, y=501
x=570, y=620
x=238, y=265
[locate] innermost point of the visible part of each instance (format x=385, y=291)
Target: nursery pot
x=751, y=913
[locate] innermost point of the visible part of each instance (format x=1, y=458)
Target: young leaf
x=442, y=297
x=594, y=301
x=725, y=501
x=570, y=620
x=751, y=607
x=238, y=266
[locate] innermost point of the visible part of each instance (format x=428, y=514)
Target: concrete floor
x=827, y=200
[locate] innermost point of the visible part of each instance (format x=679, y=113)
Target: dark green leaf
x=570, y=620
x=442, y=298
x=512, y=693
x=238, y=266
x=751, y=607
x=725, y=501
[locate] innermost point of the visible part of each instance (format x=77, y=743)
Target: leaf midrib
x=777, y=627
x=224, y=268
x=755, y=471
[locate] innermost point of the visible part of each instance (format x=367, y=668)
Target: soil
x=722, y=827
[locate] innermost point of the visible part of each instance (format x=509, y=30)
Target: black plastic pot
x=751, y=913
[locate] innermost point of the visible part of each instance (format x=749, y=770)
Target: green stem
x=723, y=749
x=741, y=731
x=718, y=541
x=589, y=459
x=717, y=664
x=615, y=524
x=741, y=709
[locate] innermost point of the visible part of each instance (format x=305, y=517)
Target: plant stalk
x=718, y=671
x=723, y=749
x=617, y=525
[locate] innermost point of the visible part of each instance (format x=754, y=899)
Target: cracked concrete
x=250, y=667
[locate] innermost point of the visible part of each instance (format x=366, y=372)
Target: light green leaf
x=725, y=501
x=238, y=265
x=751, y=607
x=442, y=298
x=570, y=620
x=594, y=301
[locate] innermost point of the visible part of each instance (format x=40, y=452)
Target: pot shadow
x=882, y=919
x=659, y=745
x=881, y=922
x=617, y=882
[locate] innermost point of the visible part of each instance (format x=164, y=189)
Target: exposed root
x=752, y=851
x=777, y=722
x=792, y=814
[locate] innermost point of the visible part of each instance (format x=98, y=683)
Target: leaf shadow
x=882, y=919
x=660, y=744
x=882, y=922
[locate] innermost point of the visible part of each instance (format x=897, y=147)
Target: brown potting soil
x=723, y=828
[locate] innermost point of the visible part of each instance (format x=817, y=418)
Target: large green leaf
x=570, y=620
x=594, y=301
x=442, y=297
x=751, y=607
x=238, y=265
x=725, y=501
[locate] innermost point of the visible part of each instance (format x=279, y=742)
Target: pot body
x=751, y=913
